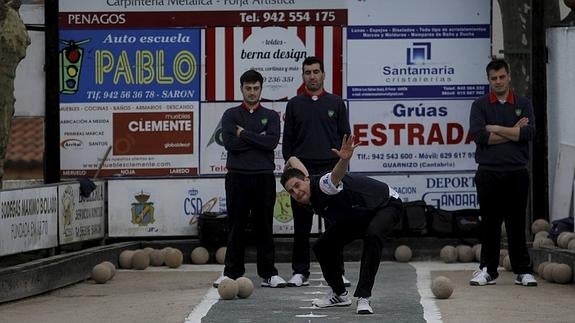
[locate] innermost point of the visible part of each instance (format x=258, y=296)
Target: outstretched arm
x=345, y=153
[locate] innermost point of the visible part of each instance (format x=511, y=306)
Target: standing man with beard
x=315, y=122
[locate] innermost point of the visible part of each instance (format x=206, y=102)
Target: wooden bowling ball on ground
x=101, y=273
x=245, y=287
x=125, y=259
x=200, y=256
x=140, y=260
x=442, y=287
x=174, y=258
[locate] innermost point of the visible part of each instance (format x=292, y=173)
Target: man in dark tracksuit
x=250, y=135
x=502, y=124
x=357, y=207
x=315, y=122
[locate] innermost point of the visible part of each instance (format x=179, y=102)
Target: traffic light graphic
x=70, y=65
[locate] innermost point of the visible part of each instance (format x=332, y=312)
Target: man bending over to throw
x=358, y=207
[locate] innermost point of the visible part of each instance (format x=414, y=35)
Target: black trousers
x=302, y=222
x=503, y=197
x=372, y=227
x=255, y=195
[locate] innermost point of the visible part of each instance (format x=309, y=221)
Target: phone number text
x=294, y=17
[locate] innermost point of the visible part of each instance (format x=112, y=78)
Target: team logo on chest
x=330, y=113
x=264, y=121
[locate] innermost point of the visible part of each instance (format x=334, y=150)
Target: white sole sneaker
x=363, y=306
x=274, y=282
x=298, y=280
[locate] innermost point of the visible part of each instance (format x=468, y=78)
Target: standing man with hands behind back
x=315, y=122
x=502, y=124
x=250, y=134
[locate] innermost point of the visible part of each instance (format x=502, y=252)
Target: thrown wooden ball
x=174, y=258
x=101, y=273
x=245, y=287
x=228, y=289
x=125, y=259
x=403, y=253
x=221, y=255
x=200, y=256
x=442, y=287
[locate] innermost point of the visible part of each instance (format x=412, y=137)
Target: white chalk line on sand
x=211, y=298
x=431, y=312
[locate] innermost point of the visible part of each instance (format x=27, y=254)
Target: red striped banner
x=232, y=50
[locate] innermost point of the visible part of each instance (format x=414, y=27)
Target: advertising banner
x=81, y=218
x=119, y=88
x=204, y=12
x=411, y=136
x=171, y=207
x=276, y=52
x=133, y=67
x=161, y=207
x=28, y=219
x=452, y=191
x=417, y=61
x=396, y=52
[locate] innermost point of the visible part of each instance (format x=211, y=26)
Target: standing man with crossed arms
x=502, y=124
x=315, y=122
x=251, y=132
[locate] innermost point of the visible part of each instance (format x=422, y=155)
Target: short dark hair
x=312, y=60
x=496, y=64
x=251, y=76
x=290, y=173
